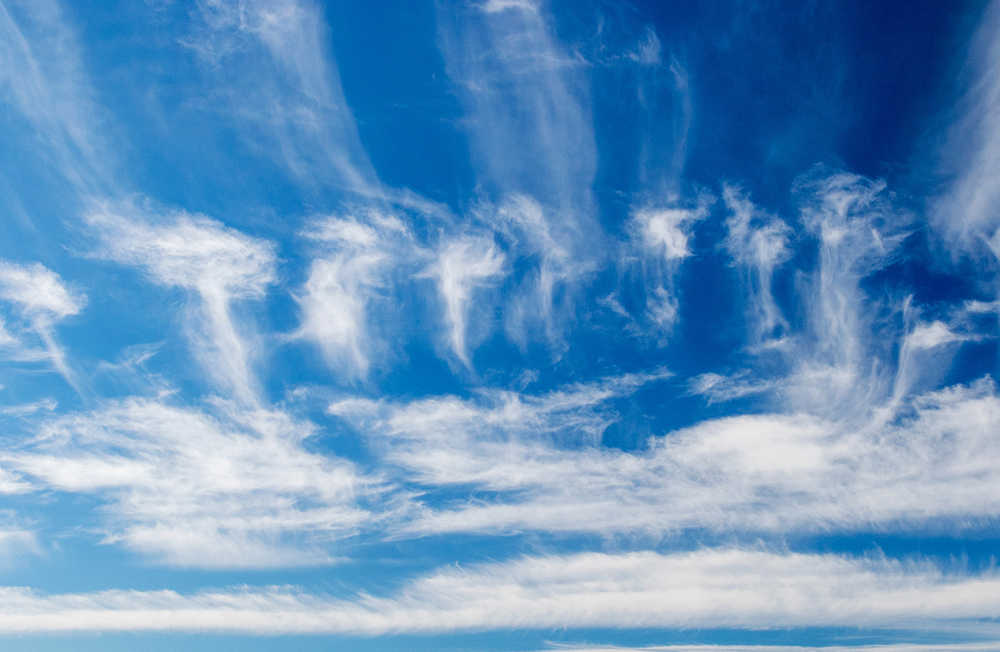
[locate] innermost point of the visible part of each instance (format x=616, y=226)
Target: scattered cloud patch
x=220, y=487
x=218, y=264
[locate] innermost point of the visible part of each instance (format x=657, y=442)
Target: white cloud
x=837, y=360
x=968, y=214
x=356, y=260
x=705, y=588
x=529, y=229
x=7, y=339
x=26, y=409
x=41, y=298
x=276, y=76
x=527, y=103
x=758, y=243
x=494, y=6
x=13, y=483
x=663, y=120
x=719, y=389
x=648, y=50
x=38, y=292
x=219, y=264
x=464, y=265
x=662, y=238
x=666, y=232
x=42, y=75
x=226, y=487
x=441, y=441
x=932, y=335
x=931, y=463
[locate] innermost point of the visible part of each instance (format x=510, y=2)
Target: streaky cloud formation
x=489, y=322
x=967, y=215
x=216, y=487
x=446, y=440
x=356, y=259
x=753, y=473
x=295, y=100
x=728, y=587
x=219, y=264
x=40, y=298
x=758, y=243
x=462, y=266
x=517, y=83
x=662, y=236
x=44, y=78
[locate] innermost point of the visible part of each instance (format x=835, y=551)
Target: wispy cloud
x=220, y=265
x=719, y=389
x=531, y=235
x=13, y=483
x=857, y=231
x=38, y=292
x=845, y=408
x=968, y=215
x=448, y=441
x=40, y=298
x=291, y=95
x=705, y=588
x=648, y=51
x=527, y=101
x=43, y=77
x=215, y=487
x=662, y=237
x=356, y=260
x=758, y=243
x=462, y=266
x=27, y=409
x=527, y=105
x=749, y=474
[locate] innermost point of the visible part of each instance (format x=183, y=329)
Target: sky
x=499, y=325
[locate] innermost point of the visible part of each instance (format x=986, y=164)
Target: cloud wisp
x=213, y=487
x=462, y=266
x=40, y=299
x=714, y=588
x=526, y=99
x=43, y=77
x=360, y=258
x=291, y=95
x=967, y=214
x=769, y=473
x=662, y=238
x=758, y=243
x=219, y=265
x=635, y=362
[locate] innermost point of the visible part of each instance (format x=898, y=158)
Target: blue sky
x=499, y=325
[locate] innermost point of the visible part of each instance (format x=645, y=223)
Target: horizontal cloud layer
x=709, y=588
x=213, y=487
x=934, y=464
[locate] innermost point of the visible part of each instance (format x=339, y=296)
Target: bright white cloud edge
x=738, y=588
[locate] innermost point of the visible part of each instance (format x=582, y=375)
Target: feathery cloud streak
x=732, y=587
x=220, y=265
x=219, y=487
x=40, y=298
